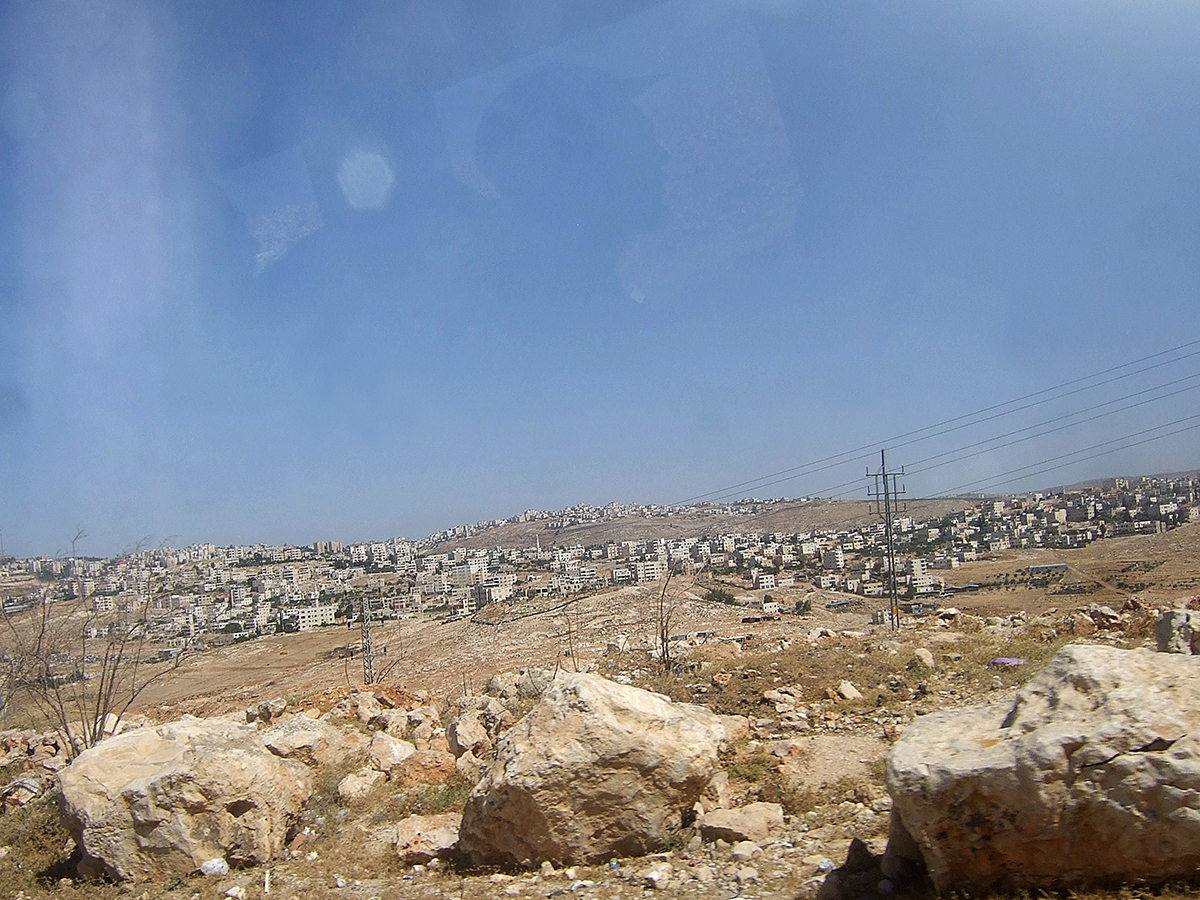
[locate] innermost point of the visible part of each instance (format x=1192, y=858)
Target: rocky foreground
x=575, y=784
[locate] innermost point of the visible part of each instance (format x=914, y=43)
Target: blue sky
x=284, y=273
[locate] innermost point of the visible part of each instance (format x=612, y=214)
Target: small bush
x=720, y=595
x=751, y=767
x=423, y=800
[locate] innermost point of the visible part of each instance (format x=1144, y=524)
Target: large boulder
x=595, y=770
x=1090, y=777
x=171, y=798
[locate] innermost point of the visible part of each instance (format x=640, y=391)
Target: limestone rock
x=1178, y=631
x=420, y=839
x=533, y=682
x=746, y=875
x=716, y=794
x=504, y=684
x=753, y=822
x=20, y=791
x=922, y=656
x=388, y=752
x=424, y=714
x=167, y=799
x=469, y=768
x=363, y=706
x=657, y=876
x=596, y=770
x=469, y=734
x=301, y=738
x=267, y=711
x=744, y=851
x=1089, y=777
x=847, y=691
x=358, y=784
x=737, y=728
x=393, y=721
x=422, y=735
x=426, y=767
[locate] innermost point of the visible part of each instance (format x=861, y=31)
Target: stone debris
x=266, y=711
x=20, y=791
x=657, y=876
x=924, y=657
x=848, y=691
x=358, y=785
x=426, y=767
x=737, y=844
x=744, y=851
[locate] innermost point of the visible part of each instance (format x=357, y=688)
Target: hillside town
x=204, y=595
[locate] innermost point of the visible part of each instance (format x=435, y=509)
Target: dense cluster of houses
x=204, y=594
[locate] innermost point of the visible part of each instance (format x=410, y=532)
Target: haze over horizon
x=377, y=269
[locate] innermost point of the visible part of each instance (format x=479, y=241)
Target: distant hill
x=1107, y=483
x=786, y=518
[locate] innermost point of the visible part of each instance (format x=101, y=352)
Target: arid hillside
x=785, y=518
x=437, y=656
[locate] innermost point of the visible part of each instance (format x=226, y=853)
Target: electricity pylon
x=368, y=650
x=885, y=490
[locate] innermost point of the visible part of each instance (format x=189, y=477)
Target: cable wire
x=847, y=456
x=1026, y=474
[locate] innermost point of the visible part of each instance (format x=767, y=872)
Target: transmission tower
x=368, y=650
x=885, y=491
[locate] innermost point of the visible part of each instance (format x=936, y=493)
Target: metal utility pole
x=368, y=651
x=885, y=489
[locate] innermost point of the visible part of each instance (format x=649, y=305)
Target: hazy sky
x=288, y=272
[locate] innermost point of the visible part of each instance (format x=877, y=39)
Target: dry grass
x=420, y=800
x=39, y=856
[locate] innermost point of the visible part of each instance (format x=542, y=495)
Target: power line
x=1027, y=474
x=1057, y=397
x=832, y=491
x=847, y=456
x=1051, y=422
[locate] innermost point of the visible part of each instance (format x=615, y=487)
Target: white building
x=834, y=558
x=308, y=617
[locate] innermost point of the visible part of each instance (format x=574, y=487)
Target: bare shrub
x=80, y=669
